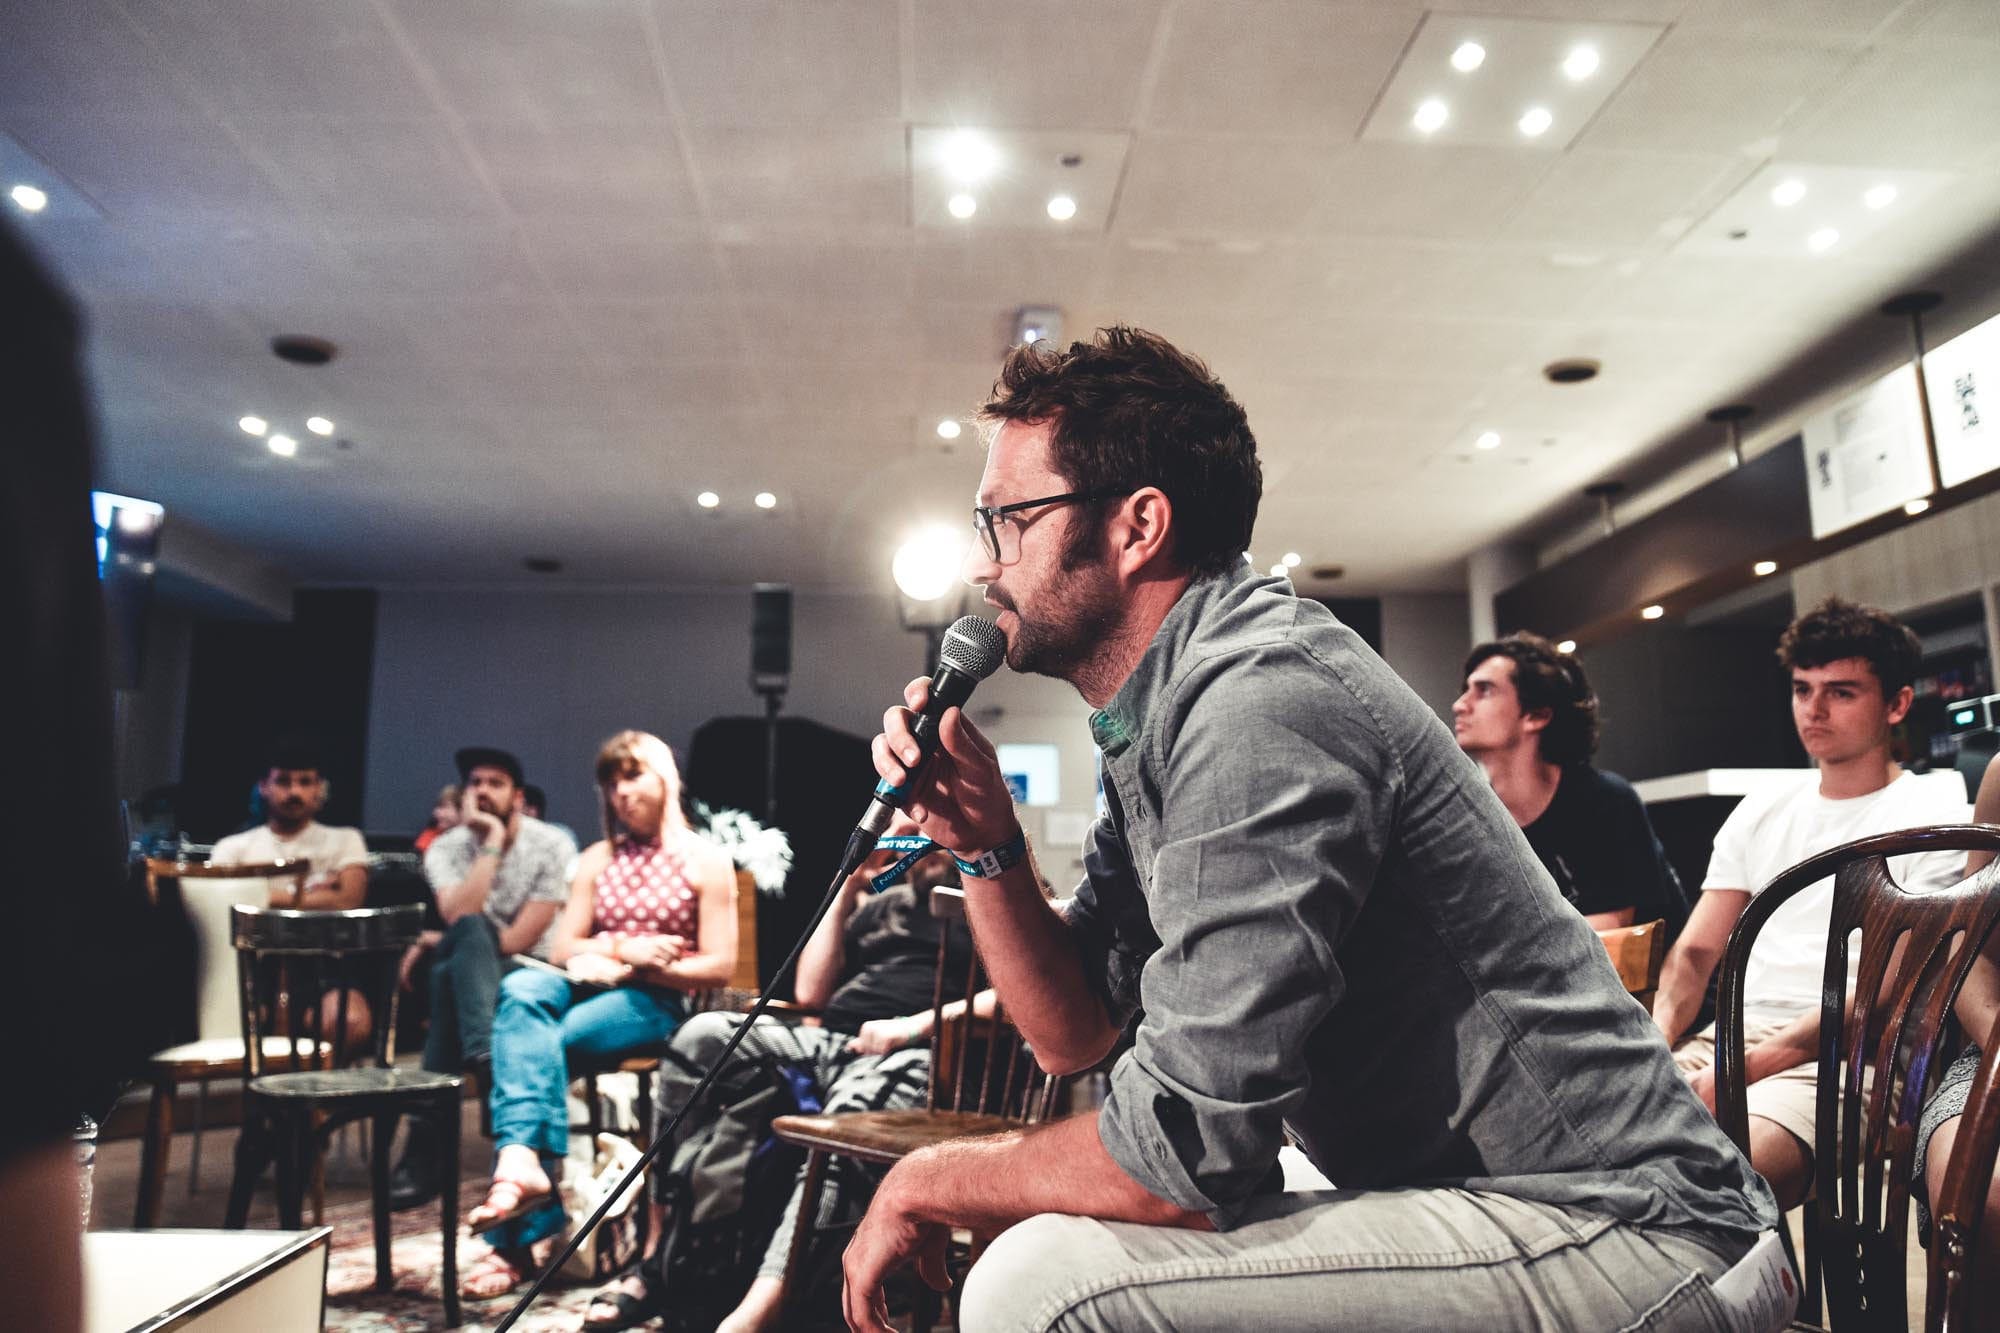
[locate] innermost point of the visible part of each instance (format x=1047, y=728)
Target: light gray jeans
x=1376, y=1260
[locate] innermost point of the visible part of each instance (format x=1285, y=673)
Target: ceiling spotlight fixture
x=765, y=500
x=970, y=158
x=1468, y=57
x=284, y=446
x=948, y=429
x=319, y=425
x=1822, y=240
x=253, y=425
x=1580, y=63
x=1764, y=568
x=963, y=205
x=1062, y=208
x=28, y=199
x=708, y=499
x=1280, y=571
x=1292, y=560
x=1431, y=116
x=1033, y=323
x=1879, y=196
x=1653, y=612
x=1487, y=440
x=1566, y=646
x=1788, y=192
x=926, y=566
x=1915, y=507
x=1535, y=122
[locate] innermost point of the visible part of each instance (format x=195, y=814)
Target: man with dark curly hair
x=1529, y=717
x=1852, y=668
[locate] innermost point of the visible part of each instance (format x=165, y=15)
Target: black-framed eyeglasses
x=985, y=518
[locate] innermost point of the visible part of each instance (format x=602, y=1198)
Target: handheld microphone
x=971, y=651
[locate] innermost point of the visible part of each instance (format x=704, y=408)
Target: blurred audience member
x=498, y=880
x=535, y=803
x=651, y=916
x=444, y=818
x=1851, y=669
x=292, y=792
x=1529, y=717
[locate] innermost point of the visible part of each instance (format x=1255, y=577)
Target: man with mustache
x=1851, y=668
x=500, y=878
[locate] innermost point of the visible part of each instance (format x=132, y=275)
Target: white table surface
x=137, y=1279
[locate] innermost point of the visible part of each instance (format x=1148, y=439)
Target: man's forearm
x=990, y=1183
x=469, y=894
x=1031, y=957
x=1682, y=980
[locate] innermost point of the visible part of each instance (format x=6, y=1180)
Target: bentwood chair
x=982, y=1081
x=206, y=893
x=1877, y=1064
x=1638, y=952
x=286, y=961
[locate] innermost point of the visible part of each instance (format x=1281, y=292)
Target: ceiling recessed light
x=1292, y=559
x=28, y=198
x=253, y=425
x=1580, y=63
x=1279, y=571
x=1915, y=507
x=1822, y=240
x=1535, y=121
x=948, y=429
x=1488, y=440
x=765, y=500
x=970, y=158
x=1062, y=208
x=1879, y=196
x=1788, y=192
x=1571, y=370
x=1468, y=57
x=963, y=205
x=319, y=425
x=708, y=499
x=284, y=446
x=1431, y=116
x=1652, y=612
x=1566, y=646
x=1764, y=567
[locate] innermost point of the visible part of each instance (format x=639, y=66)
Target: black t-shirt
x=891, y=960
x=1601, y=850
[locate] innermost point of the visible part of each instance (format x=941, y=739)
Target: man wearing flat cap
x=499, y=878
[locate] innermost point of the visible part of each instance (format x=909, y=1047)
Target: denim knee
x=473, y=926
x=535, y=990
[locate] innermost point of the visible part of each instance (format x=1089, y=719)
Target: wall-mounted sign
x=1963, y=379
x=1865, y=455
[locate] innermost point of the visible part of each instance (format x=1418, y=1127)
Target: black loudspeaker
x=770, y=637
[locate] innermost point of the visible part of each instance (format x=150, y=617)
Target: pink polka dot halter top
x=643, y=892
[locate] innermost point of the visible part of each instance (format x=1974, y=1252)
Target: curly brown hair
x=1130, y=410
x=1838, y=629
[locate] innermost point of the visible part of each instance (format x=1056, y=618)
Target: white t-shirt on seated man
x=1851, y=670
x=293, y=793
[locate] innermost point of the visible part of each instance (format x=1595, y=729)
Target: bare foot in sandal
x=519, y=1186
x=497, y=1274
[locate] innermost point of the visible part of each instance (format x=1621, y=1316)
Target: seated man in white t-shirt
x=294, y=791
x=1851, y=668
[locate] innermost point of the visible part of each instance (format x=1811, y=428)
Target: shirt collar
x=1121, y=722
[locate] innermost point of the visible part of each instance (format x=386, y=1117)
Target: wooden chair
x=1876, y=1065
x=285, y=961
x=206, y=894
x=1638, y=952
x=982, y=1081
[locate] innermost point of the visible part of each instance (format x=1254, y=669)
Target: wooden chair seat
x=331, y=1085
x=1638, y=952
x=885, y=1137
x=222, y=1057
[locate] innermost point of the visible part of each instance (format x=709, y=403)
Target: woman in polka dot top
x=651, y=916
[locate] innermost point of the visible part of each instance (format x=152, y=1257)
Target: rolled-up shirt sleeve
x=1277, y=808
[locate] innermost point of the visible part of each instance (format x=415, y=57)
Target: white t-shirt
x=328, y=849
x=1773, y=830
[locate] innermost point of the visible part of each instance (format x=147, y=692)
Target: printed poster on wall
x=1865, y=455
x=1963, y=379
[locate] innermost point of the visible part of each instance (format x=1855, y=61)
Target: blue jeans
x=543, y=1023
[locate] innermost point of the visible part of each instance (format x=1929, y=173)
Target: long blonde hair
x=630, y=751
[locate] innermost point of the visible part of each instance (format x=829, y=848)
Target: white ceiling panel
x=135, y=174
x=1031, y=64
x=619, y=262
x=1702, y=90
x=528, y=61
x=1940, y=112
x=1179, y=186
x=371, y=171
x=1416, y=190
x=780, y=63
x=1593, y=198
x=623, y=172
x=83, y=57
x=839, y=176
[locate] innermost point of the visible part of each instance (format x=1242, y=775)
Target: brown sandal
x=506, y=1200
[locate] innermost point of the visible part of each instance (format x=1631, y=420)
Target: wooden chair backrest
x=1876, y=1067
x=286, y=960
x=978, y=1065
x=207, y=893
x=1638, y=952
x=744, y=982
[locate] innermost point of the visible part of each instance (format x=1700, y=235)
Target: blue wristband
x=991, y=864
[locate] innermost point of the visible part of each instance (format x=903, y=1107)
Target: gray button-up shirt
x=1331, y=923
